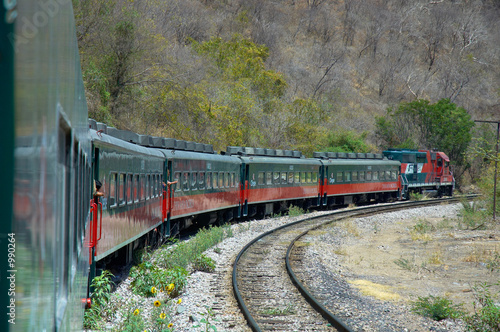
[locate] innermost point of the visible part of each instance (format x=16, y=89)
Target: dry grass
x=378, y=291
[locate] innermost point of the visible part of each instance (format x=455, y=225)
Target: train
x=80, y=194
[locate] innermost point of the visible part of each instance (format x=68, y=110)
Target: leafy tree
x=348, y=141
x=305, y=131
x=420, y=124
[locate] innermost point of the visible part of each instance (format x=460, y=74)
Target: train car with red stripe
x=205, y=186
x=272, y=180
x=348, y=178
x=153, y=187
x=45, y=169
x=424, y=171
x=130, y=181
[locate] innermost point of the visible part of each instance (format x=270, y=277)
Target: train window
x=283, y=177
x=137, y=188
x=260, y=178
x=194, y=184
x=146, y=185
x=231, y=180
x=151, y=186
x=221, y=179
x=308, y=177
x=160, y=185
x=226, y=179
x=340, y=177
x=347, y=176
x=290, y=177
x=315, y=177
x=409, y=158
x=201, y=180
x=142, y=183
x=215, y=179
x=177, y=177
x=375, y=176
x=422, y=158
x=381, y=175
x=129, y=188
x=297, y=177
x=362, y=176
x=332, y=178
x=112, y=190
x=387, y=175
x=185, y=181
x=269, y=178
x=121, y=189
x=302, y=177
x=208, y=180
x=154, y=185
x=394, y=176
x=276, y=177
x=368, y=175
x=354, y=176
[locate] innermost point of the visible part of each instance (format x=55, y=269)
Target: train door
x=323, y=172
x=439, y=168
x=244, y=189
x=167, y=198
x=63, y=217
x=95, y=229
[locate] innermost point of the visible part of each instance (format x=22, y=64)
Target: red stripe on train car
x=191, y=204
x=256, y=195
x=358, y=188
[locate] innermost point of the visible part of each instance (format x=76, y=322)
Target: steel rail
x=331, y=318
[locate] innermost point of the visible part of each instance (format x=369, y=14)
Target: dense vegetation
x=310, y=75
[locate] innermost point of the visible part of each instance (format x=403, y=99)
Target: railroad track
x=270, y=291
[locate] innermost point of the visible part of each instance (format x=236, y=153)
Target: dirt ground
x=401, y=259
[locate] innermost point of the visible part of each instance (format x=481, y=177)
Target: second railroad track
x=269, y=292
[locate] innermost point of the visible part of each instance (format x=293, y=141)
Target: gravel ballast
x=214, y=290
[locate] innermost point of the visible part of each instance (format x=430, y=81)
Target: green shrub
x=204, y=264
x=423, y=226
x=473, y=215
x=185, y=253
x=486, y=315
x=146, y=276
x=437, y=308
x=295, y=211
x=414, y=196
x=101, y=293
x=134, y=322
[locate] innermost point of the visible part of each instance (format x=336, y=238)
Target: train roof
x=151, y=141
x=351, y=158
x=262, y=152
x=347, y=155
x=109, y=140
x=269, y=156
x=182, y=154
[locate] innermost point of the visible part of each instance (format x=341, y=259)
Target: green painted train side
x=7, y=156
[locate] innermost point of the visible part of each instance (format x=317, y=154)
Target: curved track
x=266, y=287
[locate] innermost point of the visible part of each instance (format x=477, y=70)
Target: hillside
x=283, y=73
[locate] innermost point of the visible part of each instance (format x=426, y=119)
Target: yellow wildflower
x=170, y=287
x=153, y=289
x=170, y=325
x=179, y=301
x=162, y=315
x=157, y=303
x=136, y=312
